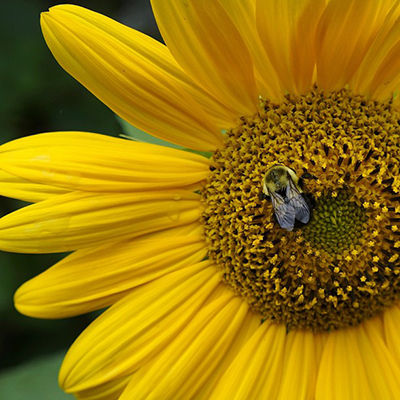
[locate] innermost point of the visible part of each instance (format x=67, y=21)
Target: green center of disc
x=336, y=224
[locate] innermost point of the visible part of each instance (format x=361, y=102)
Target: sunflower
x=207, y=296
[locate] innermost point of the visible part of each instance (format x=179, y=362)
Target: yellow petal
x=92, y=162
x=243, y=15
x=108, y=391
x=287, y=30
x=381, y=367
x=300, y=367
x=357, y=364
x=193, y=228
x=79, y=220
x=18, y=188
x=344, y=35
x=249, y=326
x=342, y=371
x=182, y=368
x=219, y=113
x=392, y=333
x=256, y=371
x=84, y=281
x=319, y=345
x=133, y=331
x=389, y=79
x=386, y=81
x=208, y=46
x=376, y=76
x=131, y=73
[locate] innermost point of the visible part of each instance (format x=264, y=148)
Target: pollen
x=343, y=266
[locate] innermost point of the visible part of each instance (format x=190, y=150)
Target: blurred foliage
x=35, y=380
x=38, y=96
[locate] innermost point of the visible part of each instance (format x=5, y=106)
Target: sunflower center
x=342, y=266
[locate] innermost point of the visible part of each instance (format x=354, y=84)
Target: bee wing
x=302, y=210
x=284, y=211
x=296, y=199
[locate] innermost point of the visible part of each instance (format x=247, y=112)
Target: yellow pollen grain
x=274, y=259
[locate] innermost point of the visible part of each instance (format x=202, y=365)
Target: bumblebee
x=290, y=204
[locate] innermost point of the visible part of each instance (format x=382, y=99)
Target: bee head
x=277, y=179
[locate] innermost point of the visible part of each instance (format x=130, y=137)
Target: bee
x=290, y=204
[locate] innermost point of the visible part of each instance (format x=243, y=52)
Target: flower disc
x=343, y=266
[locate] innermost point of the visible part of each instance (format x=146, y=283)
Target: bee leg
x=309, y=199
x=262, y=196
x=298, y=224
x=306, y=175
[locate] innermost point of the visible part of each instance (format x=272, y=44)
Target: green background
x=37, y=95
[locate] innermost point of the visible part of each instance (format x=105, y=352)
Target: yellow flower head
x=210, y=295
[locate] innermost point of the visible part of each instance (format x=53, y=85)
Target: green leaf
x=34, y=380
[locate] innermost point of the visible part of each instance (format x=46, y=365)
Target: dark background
x=37, y=95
